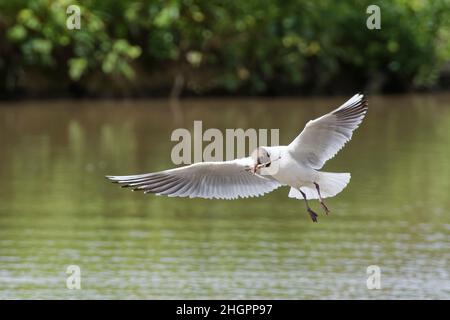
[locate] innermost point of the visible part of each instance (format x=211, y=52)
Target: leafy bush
x=251, y=47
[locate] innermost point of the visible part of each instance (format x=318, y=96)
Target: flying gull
x=296, y=165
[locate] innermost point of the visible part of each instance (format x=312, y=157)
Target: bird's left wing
x=323, y=137
x=209, y=180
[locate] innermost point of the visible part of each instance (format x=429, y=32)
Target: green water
x=56, y=209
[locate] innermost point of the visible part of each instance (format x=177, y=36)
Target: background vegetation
x=271, y=47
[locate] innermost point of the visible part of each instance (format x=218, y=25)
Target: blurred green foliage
x=250, y=47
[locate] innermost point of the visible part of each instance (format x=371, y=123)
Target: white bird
x=296, y=165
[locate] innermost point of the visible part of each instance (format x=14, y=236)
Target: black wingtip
x=363, y=100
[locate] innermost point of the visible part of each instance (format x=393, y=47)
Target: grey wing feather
x=209, y=180
x=322, y=138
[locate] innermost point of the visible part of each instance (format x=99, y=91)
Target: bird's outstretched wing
x=209, y=180
x=323, y=137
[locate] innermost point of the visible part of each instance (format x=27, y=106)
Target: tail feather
x=330, y=185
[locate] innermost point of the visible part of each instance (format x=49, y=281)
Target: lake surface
x=56, y=208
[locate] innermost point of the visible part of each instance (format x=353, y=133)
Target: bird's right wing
x=323, y=137
x=209, y=180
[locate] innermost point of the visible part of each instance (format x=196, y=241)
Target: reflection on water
x=56, y=209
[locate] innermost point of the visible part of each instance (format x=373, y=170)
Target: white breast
x=289, y=171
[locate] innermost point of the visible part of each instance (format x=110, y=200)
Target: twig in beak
x=262, y=165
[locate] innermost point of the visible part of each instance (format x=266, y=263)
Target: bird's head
x=261, y=157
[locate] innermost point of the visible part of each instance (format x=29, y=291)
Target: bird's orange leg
x=320, y=199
